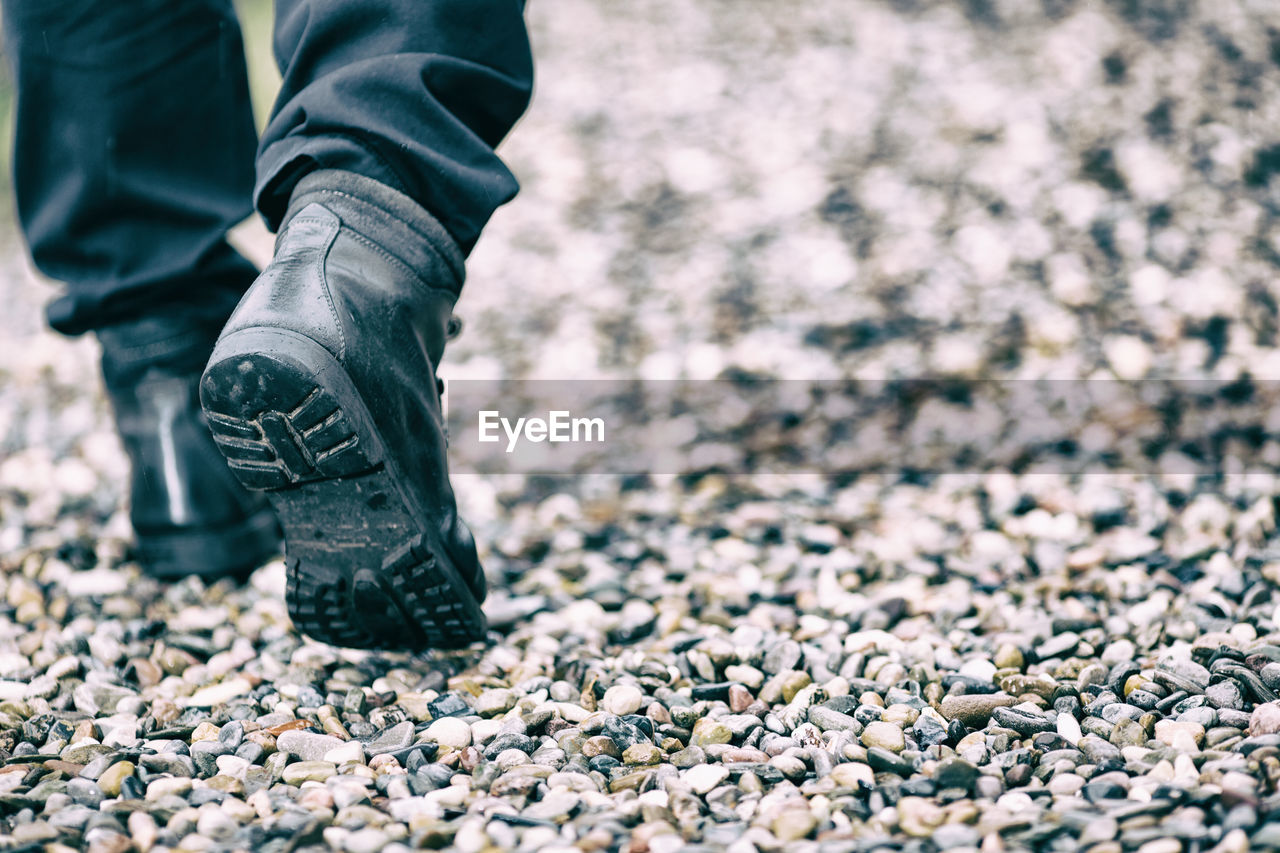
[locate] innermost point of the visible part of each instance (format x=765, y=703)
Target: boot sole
x=366, y=567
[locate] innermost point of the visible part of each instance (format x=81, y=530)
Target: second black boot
x=322, y=393
x=189, y=515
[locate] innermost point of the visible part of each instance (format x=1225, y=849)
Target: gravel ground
x=972, y=659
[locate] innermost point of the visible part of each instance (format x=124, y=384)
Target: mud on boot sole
x=366, y=567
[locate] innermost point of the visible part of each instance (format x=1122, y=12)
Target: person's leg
x=414, y=94
x=133, y=155
x=379, y=168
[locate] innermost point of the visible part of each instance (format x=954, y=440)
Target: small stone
x=216, y=824
x=350, y=751
x=955, y=773
x=143, y=830
x=781, y=657
x=1224, y=694
x=974, y=710
x=1008, y=656
x=84, y=792
x=392, y=739
x=852, y=774
x=918, y=817
x=84, y=753
x=1265, y=719
x=448, y=705
x=642, y=753
x=828, y=720
x=1162, y=845
x=307, y=746
x=883, y=735
x=219, y=694
x=1025, y=723
x=1058, y=646
x=706, y=777
x=794, y=824
x=1182, y=736
x=1182, y=675
x=689, y=757
x=167, y=787
x=793, y=683
x=601, y=745
x=111, y=778
x=491, y=703
x=707, y=732
x=622, y=699
x=450, y=732
x=1069, y=729
x=308, y=771
x=743, y=755
x=1065, y=784
x=1128, y=732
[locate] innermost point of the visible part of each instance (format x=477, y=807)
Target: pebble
x=350, y=751
x=974, y=710
x=703, y=778
x=1265, y=719
x=622, y=699
x=308, y=771
x=955, y=773
x=450, y=732
x=494, y=702
x=1069, y=729
x=394, y=738
x=1025, y=723
x=219, y=694
x=851, y=775
x=113, y=776
x=883, y=735
x=308, y=746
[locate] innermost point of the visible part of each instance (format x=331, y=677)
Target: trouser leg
x=133, y=155
x=414, y=94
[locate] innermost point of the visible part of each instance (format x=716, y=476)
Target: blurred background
x=870, y=188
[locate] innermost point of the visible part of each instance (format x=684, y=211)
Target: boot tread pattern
x=270, y=449
x=362, y=569
x=409, y=605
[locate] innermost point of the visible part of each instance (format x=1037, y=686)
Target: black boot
x=322, y=392
x=189, y=514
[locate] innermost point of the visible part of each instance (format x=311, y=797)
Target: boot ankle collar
x=387, y=217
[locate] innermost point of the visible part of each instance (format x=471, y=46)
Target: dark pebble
x=919, y=787
x=510, y=741
x=884, y=760
x=1024, y=723
x=1097, y=791
x=448, y=705
x=955, y=773
x=928, y=732
x=131, y=788
x=718, y=692
x=842, y=704
x=967, y=685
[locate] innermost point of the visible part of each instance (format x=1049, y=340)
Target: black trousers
x=135, y=145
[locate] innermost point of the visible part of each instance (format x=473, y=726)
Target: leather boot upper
x=369, y=275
